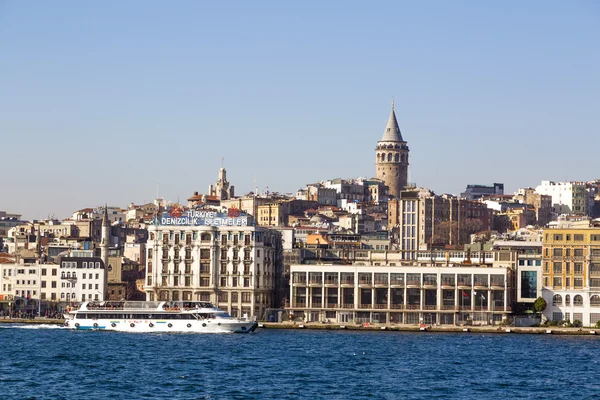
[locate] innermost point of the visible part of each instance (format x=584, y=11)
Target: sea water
x=49, y=362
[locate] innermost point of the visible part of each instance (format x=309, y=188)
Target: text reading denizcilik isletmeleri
x=206, y=218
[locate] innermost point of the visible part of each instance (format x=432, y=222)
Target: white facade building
x=82, y=279
x=214, y=258
x=568, y=197
x=400, y=294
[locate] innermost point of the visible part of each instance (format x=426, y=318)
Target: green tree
x=539, y=305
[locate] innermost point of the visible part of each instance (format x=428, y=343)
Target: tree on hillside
x=451, y=232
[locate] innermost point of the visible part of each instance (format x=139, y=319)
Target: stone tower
x=222, y=190
x=392, y=157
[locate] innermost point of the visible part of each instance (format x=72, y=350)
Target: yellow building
x=571, y=274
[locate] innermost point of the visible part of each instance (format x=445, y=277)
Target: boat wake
x=27, y=326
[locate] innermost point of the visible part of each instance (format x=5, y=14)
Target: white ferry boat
x=152, y=316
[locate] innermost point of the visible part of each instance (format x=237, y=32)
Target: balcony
x=365, y=306
x=381, y=306
x=413, y=283
x=413, y=306
x=365, y=283
x=430, y=284
x=430, y=307
x=316, y=304
x=449, y=308
x=347, y=305
x=331, y=283
x=397, y=306
x=298, y=304
x=448, y=284
x=316, y=283
x=464, y=284
x=397, y=284
x=381, y=283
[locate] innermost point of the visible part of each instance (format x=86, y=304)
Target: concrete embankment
x=436, y=328
x=375, y=327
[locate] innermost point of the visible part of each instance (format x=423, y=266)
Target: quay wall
x=435, y=328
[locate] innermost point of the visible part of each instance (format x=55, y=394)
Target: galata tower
x=392, y=157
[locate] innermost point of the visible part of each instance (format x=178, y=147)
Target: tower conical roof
x=392, y=130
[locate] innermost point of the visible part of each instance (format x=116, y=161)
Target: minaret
x=38, y=246
x=104, y=245
x=392, y=157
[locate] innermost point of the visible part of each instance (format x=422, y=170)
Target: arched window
x=396, y=157
x=152, y=236
x=578, y=300
x=205, y=237
x=557, y=300
x=567, y=300
x=389, y=157
x=595, y=300
x=68, y=296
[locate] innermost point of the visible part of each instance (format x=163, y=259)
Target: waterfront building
x=528, y=265
x=83, y=277
x=410, y=294
x=571, y=274
x=217, y=257
x=391, y=161
x=474, y=192
x=27, y=286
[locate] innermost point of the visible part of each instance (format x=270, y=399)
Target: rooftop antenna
x=392, y=103
x=222, y=162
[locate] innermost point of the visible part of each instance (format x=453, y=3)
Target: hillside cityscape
x=378, y=250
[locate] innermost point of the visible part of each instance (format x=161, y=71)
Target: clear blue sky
x=99, y=101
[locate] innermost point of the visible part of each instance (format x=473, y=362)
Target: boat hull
x=162, y=326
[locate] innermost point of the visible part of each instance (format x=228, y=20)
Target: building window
x=595, y=301
x=557, y=252
x=223, y=297
x=557, y=268
x=529, y=284
x=578, y=300
x=557, y=316
x=557, y=282
x=557, y=300
x=246, y=297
